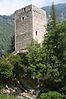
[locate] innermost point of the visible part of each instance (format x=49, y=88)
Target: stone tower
x=30, y=23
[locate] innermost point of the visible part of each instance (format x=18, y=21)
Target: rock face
x=30, y=23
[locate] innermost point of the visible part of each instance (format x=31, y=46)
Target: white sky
x=7, y=7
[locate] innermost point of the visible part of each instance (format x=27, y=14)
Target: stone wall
x=23, y=27
x=30, y=24
x=39, y=24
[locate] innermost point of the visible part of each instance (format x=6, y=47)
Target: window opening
x=24, y=9
x=36, y=33
x=23, y=18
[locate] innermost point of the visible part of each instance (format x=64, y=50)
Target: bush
x=3, y=96
x=50, y=95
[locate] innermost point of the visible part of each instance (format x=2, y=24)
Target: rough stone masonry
x=30, y=23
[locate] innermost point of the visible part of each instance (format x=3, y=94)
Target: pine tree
x=53, y=16
x=54, y=49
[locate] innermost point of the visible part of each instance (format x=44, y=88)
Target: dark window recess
x=36, y=33
x=23, y=18
x=24, y=9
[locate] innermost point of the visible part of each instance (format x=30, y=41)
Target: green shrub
x=50, y=95
x=3, y=96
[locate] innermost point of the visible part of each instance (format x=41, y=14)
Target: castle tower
x=30, y=23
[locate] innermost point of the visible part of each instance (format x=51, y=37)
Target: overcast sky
x=7, y=7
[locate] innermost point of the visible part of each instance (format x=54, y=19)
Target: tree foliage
x=50, y=95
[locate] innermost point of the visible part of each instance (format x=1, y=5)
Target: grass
x=3, y=96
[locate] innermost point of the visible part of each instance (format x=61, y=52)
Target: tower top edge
x=30, y=6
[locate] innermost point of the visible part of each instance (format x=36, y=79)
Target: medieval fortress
x=30, y=23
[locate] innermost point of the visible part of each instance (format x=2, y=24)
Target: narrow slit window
x=24, y=9
x=36, y=33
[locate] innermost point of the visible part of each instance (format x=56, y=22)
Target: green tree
x=54, y=47
x=53, y=21
x=5, y=66
x=6, y=70
x=53, y=16
x=35, y=61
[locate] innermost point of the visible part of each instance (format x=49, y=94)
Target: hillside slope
x=6, y=33
x=60, y=11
